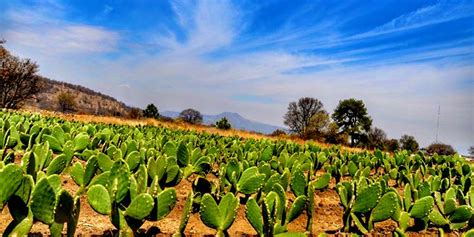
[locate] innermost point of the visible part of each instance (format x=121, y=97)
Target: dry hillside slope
x=87, y=101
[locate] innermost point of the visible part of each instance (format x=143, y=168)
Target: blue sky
x=403, y=58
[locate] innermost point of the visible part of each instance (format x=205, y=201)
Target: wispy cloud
x=442, y=11
x=41, y=29
x=209, y=26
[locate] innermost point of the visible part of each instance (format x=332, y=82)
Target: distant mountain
x=235, y=119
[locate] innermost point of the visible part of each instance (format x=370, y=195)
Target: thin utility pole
x=437, y=124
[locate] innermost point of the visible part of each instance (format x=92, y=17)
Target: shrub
x=440, y=149
x=278, y=133
x=66, y=102
x=151, y=111
x=223, y=123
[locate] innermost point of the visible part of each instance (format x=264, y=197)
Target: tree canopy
x=151, y=111
x=19, y=80
x=300, y=113
x=352, y=118
x=191, y=116
x=409, y=143
x=440, y=149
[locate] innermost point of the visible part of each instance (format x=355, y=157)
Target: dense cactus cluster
x=130, y=173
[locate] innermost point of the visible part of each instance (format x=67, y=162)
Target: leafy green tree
x=300, y=113
x=223, y=123
x=409, y=143
x=191, y=116
x=151, y=111
x=318, y=125
x=333, y=136
x=352, y=118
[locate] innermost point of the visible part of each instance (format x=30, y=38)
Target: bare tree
x=377, y=138
x=191, y=116
x=18, y=79
x=471, y=150
x=299, y=114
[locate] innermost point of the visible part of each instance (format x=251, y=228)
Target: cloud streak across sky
x=403, y=58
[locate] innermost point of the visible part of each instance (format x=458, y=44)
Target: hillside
x=87, y=101
x=235, y=119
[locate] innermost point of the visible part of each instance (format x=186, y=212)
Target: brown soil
x=327, y=218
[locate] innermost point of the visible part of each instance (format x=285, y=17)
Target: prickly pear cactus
x=250, y=181
x=164, y=203
x=254, y=216
x=185, y=216
x=99, y=199
x=140, y=207
x=43, y=201
x=367, y=198
x=385, y=208
x=220, y=216
x=422, y=207
x=11, y=177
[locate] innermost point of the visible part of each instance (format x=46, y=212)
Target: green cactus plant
x=218, y=216
x=187, y=209
x=365, y=204
x=449, y=214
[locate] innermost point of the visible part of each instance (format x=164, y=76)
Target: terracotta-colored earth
x=327, y=218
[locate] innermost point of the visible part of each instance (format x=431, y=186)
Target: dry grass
x=180, y=126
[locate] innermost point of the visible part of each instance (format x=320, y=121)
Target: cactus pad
x=461, y=214
x=209, y=212
x=164, y=203
x=250, y=181
x=297, y=208
x=99, y=199
x=322, y=181
x=385, y=208
x=11, y=177
x=367, y=199
x=43, y=202
x=254, y=216
x=437, y=218
x=422, y=207
x=141, y=206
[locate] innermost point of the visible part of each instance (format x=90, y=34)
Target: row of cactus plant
x=120, y=168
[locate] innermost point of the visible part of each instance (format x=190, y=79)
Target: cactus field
x=60, y=177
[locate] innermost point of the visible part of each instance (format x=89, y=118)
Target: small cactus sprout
x=188, y=206
x=219, y=217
